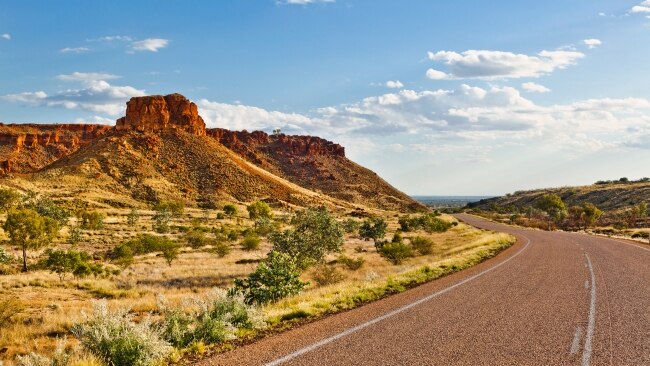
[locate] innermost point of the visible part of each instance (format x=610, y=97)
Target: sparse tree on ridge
x=29, y=230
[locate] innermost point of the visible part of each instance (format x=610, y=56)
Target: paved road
x=552, y=299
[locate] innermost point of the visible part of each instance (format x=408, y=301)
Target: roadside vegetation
x=88, y=285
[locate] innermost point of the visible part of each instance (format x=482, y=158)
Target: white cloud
x=592, y=42
x=99, y=120
x=6, y=36
x=643, y=7
x=437, y=75
x=112, y=39
x=74, y=50
x=302, y=2
x=149, y=44
x=87, y=76
x=394, y=84
x=96, y=95
x=491, y=65
x=535, y=88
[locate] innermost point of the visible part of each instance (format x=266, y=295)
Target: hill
x=161, y=149
x=608, y=196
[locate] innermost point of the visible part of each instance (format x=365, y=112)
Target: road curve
x=553, y=298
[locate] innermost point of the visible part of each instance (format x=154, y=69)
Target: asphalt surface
x=553, y=298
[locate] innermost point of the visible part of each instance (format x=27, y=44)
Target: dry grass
x=52, y=306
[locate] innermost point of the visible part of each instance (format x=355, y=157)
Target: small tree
x=169, y=250
x=316, y=233
x=591, y=214
x=258, y=210
x=161, y=221
x=9, y=198
x=554, y=207
x=275, y=278
x=90, y=220
x=230, y=210
x=29, y=230
x=175, y=208
x=373, y=228
x=576, y=215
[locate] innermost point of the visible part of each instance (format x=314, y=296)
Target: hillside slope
x=610, y=197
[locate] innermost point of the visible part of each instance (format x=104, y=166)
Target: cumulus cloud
x=6, y=36
x=643, y=7
x=95, y=95
x=592, y=42
x=74, y=50
x=535, y=88
x=394, y=84
x=149, y=44
x=492, y=65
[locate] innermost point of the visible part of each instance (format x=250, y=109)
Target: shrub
x=221, y=248
x=230, y=210
x=161, y=221
x=4, y=257
x=133, y=217
x=117, y=340
x=264, y=226
x=90, y=220
x=175, y=208
x=325, y=275
x=75, y=235
x=48, y=208
x=63, y=262
x=9, y=307
x=422, y=245
x=9, y=198
x=196, y=239
x=351, y=263
x=258, y=210
x=220, y=216
x=122, y=255
x=395, y=253
x=60, y=357
x=169, y=250
x=316, y=233
x=373, y=228
x=275, y=278
x=350, y=226
x=251, y=242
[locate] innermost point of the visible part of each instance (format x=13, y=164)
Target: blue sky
x=454, y=97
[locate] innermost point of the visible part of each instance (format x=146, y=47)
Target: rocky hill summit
x=155, y=113
x=161, y=149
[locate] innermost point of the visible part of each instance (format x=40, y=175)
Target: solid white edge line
x=333, y=338
x=586, y=353
x=575, y=345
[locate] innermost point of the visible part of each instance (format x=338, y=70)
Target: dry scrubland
x=50, y=307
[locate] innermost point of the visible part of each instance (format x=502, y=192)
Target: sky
x=438, y=97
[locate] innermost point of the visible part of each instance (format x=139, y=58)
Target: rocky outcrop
x=156, y=113
x=28, y=147
x=276, y=144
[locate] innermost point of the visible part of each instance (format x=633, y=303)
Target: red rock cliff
x=157, y=112
x=290, y=145
x=28, y=147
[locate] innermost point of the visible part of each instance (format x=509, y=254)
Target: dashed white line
x=586, y=353
x=575, y=345
x=359, y=327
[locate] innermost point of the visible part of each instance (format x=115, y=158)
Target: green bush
x=275, y=278
x=9, y=307
x=48, y=208
x=230, y=210
x=422, y=245
x=351, y=263
x=4, y=257
x=395, y=253
x=90, y=220
x=9, y=198
x=373, y=228
x=325, y=275
x=196, y=239
x=175, y=208
x=117, y=340
x=122, y=255
x=133, y=217
x=350, y=226
x=258, y=210
x=78, y=263
x=75, y=235
x=265, y=226
x=161, y=221
x=316, y=233
x=251, y=242
x=221, y=248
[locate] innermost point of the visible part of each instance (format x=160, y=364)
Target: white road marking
x=359, y=327
x=587, y=284
x=586, y=353
x=575, y=345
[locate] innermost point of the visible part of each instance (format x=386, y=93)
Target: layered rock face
x=28, y=147
x=281, y=144
x=157, y=112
